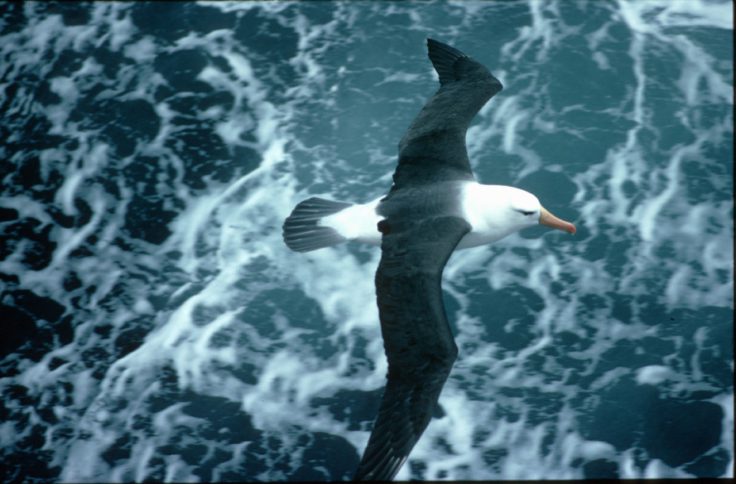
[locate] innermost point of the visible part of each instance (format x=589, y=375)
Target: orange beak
x=546, y=218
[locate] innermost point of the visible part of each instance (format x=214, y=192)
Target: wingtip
x=443, y=58
x=436, y=44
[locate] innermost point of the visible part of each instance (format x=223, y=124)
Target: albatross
x=434, y=206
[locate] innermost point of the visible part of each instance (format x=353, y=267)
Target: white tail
x=301, y=230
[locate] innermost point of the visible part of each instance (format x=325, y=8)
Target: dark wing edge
x=433, y=148
x=419, y=344
x=443, y=59
x=452, y=65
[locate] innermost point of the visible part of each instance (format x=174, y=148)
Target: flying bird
x=434, y=206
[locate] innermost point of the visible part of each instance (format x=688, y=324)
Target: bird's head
x=526, y=211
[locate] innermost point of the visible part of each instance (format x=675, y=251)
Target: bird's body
x=476, y=203
x=434, y=206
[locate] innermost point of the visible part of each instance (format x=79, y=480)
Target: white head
x=496, y=211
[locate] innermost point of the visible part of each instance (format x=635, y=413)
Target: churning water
x=155, y=326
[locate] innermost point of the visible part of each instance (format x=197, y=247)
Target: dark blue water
x=155, y=326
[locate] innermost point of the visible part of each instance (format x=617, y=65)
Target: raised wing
x=419, y=344
x=433, y=149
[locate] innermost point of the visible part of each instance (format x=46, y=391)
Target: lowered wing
x=419, y=345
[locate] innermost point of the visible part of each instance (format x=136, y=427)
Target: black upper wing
x=419, y=344
x=433, y=149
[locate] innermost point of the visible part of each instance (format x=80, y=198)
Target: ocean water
x=155, y=326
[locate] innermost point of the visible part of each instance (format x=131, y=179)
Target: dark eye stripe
x=525, y=212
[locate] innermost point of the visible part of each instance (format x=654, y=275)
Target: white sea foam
x=226, y=312
x=653, y=374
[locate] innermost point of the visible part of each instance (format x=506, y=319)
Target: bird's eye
x=525, y=212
